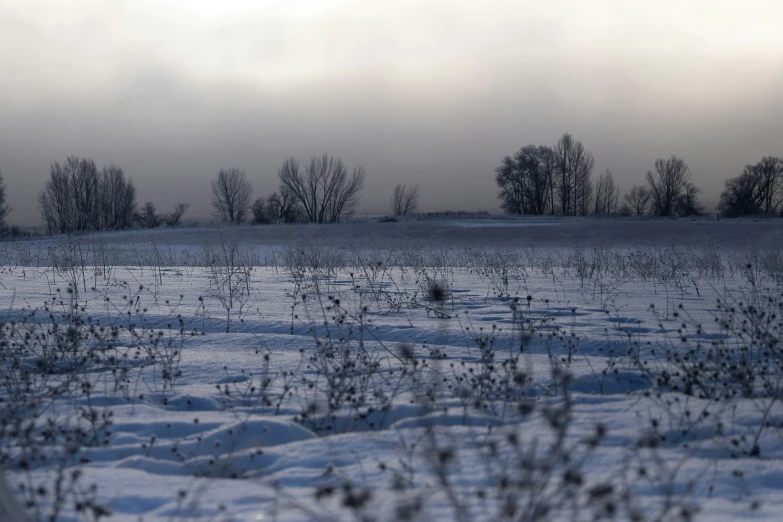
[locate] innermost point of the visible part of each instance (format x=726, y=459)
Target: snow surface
x=227, y=438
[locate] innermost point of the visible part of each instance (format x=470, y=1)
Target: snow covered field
x=442, y=370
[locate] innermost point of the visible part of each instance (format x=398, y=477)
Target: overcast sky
x=434, y=92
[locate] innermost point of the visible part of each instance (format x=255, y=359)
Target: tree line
x=557, y=180
x=320, y=190
x=758, y=189
x=78, y=197
x=540, y=179
x=537, y=180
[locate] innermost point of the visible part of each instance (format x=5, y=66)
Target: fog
x=415, y=91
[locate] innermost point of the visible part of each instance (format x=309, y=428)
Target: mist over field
x=427, y=92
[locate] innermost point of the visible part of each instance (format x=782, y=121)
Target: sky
x=415, y=91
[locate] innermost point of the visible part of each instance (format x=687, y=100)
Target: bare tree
x=325, y=190
x=667, y=184
x=526, y=181
x=583, y=185
x=68, y=201
x=741, y=195
x=687, y=203
x=278, y=207
x=174, y=218
x=757, y=189
x=148, y=216
x=259, y=211
x=77, y=198
x=573, y=167
x=510, y=178
x=637, y=200
x=116, y=199
x=231, y=196
x=283, y=207
x=607, y=194
x=769, y=172
x=4, y=208
x=404, y=200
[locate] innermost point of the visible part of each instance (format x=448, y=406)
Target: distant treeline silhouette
x=320, y=192
x=78, y=197
x=558, y=180
x=540, y=179
x=537, y=179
